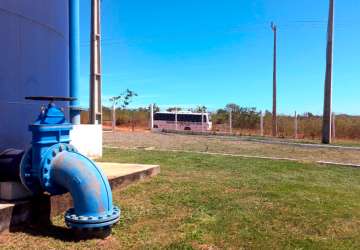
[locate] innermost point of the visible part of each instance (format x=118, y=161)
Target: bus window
x=209, y=116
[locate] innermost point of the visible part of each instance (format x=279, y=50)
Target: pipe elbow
x=85, y=181
x=68, y=170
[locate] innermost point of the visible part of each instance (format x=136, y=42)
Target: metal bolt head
x=100, y=217
x=73, y=149
x=108, y=215
x=73, y=216
x=90, y=218
x=116, y=208
x=61, y=147
x=55, y=151
x=81, y=217
x=68, y=147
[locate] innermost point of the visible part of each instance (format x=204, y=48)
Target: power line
x=184, y=37
x=286, y=24
x=182, y=32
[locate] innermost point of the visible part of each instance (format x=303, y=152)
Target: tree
x=156, y=108
x=173, y=109
x=124, y=99
x=198, y=109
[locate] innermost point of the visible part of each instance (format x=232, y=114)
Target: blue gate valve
x=53, y=165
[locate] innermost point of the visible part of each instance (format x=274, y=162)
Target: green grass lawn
x=214, y=202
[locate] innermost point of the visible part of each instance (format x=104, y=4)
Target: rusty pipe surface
x=85, y=181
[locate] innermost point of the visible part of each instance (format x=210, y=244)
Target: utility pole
x=202, y=120
x=230, y=111
x=175, y=118
x=95, y=65
x=113, y=118
x=326, y=130
x=274, y=122
x=151, y=117
x=261, y=123
x=295, y=132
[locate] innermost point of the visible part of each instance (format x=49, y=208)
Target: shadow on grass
x=47, y=229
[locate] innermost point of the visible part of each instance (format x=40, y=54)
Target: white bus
x=186, y=120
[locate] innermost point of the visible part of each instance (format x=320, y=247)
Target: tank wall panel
x=48, y=12
x=9, y=64
x=34, y=61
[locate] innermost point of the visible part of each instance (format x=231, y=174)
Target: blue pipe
x=52, y=164
x=74, y=62
x=87, y=184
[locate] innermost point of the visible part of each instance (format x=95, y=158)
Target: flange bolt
x=61, y=147
x=55, y=151
x=73, y=149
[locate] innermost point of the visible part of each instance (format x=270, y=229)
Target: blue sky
x=228, y=68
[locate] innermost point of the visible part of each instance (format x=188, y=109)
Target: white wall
x=87, y=138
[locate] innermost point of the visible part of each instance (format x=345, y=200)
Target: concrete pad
x=13, y=190
x=15, y=215
x=122, y=175
x=112, y=170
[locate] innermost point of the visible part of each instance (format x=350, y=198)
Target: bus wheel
x=187, y=128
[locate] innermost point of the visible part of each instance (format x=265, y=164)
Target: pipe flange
x=73, y=220
x=29, y=175
x=45, y=169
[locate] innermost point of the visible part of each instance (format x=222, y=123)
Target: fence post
x=230, y=110
x=261, y=123
x=295, y=125
x=333, y=125
x=133, y=125
x=151, y=117
x=202, y=120
x=175, y=118
x=113, y=118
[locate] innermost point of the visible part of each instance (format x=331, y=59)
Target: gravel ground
x=218, y=145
